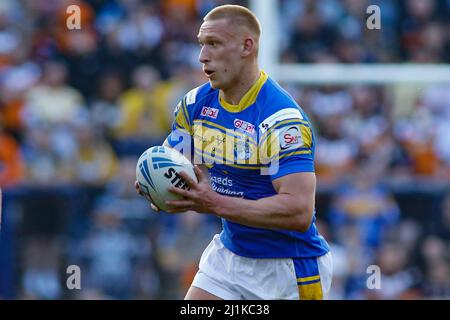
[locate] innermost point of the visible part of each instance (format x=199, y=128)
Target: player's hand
x=138, y=190
x=200, y=198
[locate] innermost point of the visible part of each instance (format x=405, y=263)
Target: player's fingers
x=199, y=173
x=154, y=208
x=180, y=209
x=173, y=211
x=180, y=192
x=191, y=183
x=138, y=190
x=179, y=204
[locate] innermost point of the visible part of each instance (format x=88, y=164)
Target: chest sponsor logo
x=210, y=112
x=225, y=181
x=244, y=126
x=224, y=185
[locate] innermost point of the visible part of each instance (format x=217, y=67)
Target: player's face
x=220, y=53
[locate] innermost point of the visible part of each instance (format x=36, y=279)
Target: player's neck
x=234, y=94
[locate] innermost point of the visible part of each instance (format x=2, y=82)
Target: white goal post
x=268, y=12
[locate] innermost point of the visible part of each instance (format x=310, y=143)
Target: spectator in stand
x=16, y=79
x=436, y=100
x=49, y=155
x=95, y=161
x=369, y=118
x=110, y=253
x=11, y=161
x=143, y=108
x=435, y=254
x=52, y=101
x=364, y=203
x=398, y=279
x=336, y=153
x=416, y=133
x=105, y=110
x=42, y=262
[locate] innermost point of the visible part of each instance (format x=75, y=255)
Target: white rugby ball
x=158, y=169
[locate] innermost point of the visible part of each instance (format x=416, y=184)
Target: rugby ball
x=158, y=169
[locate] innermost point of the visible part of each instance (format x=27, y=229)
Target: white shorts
x=233, y=277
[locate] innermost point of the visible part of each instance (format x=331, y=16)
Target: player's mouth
x=208, y=72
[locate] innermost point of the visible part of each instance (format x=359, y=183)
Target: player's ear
x=248, y=47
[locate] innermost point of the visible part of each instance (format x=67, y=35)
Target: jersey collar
x=248, y=99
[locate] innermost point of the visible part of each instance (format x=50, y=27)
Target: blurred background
x=77, y=108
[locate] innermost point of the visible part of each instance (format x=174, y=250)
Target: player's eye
x=213, y=43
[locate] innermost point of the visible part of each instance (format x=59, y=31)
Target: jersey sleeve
x=181, y=117
x=180, y=137
x=286, y=143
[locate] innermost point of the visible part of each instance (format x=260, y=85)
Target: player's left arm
x=290, y=209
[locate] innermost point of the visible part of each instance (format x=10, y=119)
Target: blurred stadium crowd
x=77, y=108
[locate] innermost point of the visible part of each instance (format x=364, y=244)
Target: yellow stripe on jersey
x=296, y=153
x=180, y=118
x=186, y=115
x=248, y=99
x=306, y=136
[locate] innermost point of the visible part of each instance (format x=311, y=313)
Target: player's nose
x=204, y=56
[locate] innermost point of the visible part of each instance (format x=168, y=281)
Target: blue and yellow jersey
x=245, y=147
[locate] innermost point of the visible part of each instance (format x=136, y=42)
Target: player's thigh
x=195, y=293
x=215, y=272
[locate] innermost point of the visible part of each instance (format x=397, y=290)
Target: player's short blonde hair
x=236, y=16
